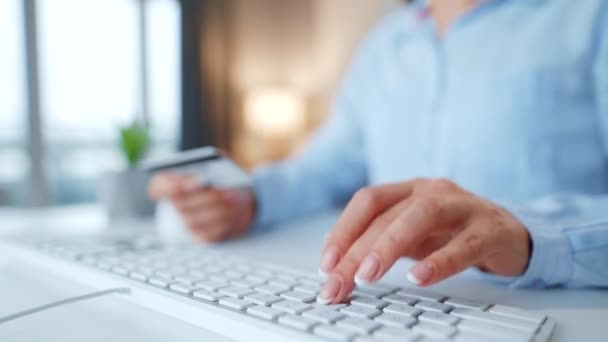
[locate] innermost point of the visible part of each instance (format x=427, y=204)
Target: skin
x=212, y=215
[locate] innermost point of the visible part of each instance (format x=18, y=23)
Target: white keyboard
x=251, y=301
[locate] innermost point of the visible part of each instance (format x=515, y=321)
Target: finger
x=408, y=230
x=424, y=217
x=199, y=200
x=164, y=185
x=205, y=218
x=346, y=267
x=465, y=250
x=365, y=206
x=432, y=243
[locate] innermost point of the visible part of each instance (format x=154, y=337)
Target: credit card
x=206, y=164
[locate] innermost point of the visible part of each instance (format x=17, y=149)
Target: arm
x=570, y=232
x=331, y=167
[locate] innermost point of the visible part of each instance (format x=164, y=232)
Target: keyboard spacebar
x=508, y=322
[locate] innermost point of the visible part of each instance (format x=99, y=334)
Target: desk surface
x=581, y=314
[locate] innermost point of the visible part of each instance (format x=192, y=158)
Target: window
x=163, y=34
x=13, y=157
x=91, y=84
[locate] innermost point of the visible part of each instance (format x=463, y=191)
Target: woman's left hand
x=436, y=222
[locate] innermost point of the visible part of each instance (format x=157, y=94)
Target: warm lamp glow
x=274, y=112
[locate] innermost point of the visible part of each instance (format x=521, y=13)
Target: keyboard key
x=264, y=312
x=222, y=277
x=366, y=339
x=394, y=320
x=434, y=330
x=396, y=334
x=380, y=287
x=297, y=322
x=369, y=292
x=493, y=331
x=182, y=288
x=361, y=311
x=283, y=283
x=160, y=282
x=310, y=281
x=299, y=296
x=286, y=277
x=488, y=317
x=369, y=302
x=262, y=298
x=167, y=274
x=307, y=288
x=400, y=299
x=120, y=270
x=210, y=285
x=272, y=289
x=402, y=309
x=333, y=332
x=292, y=307
x=235, y=291
x=207, y=295
x=139, y=276
x=248, y=283
x=433, y=306
x=438, y=318
x=235, y=303
x=233, y=274
x=187, y=279
x=359, y=325
x=422, y=294
x=534, y=317
x=260, y=278
x=465, y=303
x=323, y=315
x=330, y=306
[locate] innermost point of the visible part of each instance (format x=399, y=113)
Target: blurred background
x=254, y=77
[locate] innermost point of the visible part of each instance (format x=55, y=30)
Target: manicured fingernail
x=330, y=290
x=190, y=185
x=367, y=270
x=420, y=274
x=323, y=275
x=329, y=259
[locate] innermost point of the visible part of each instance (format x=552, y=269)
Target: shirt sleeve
x=331, y=167
x=569, y=232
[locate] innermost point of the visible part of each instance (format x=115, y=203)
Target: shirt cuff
x=263, y=184
x=551, y=260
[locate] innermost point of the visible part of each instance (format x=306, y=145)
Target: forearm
x=569, y=235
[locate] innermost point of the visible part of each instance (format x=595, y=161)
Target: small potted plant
x=124, y=193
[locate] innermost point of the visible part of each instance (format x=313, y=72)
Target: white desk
x=582, y=315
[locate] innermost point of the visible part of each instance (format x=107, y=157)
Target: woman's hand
x=434, y=221
x=211, y=214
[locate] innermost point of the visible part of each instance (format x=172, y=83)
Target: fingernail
x=322, y=274
x=329, y=259
x=420, y=273
x=367, y=270
x=190, y=185
x=330, y=290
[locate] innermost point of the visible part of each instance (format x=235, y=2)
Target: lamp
x=274, y=112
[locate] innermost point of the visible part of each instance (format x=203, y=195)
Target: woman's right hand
x=212, y=214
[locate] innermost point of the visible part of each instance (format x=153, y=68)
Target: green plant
x=134, y=142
